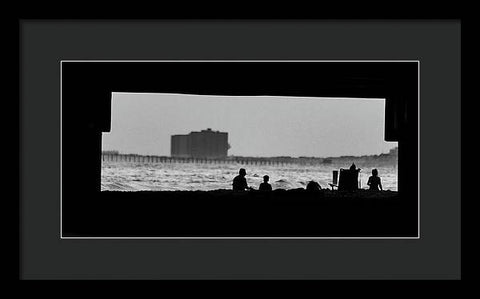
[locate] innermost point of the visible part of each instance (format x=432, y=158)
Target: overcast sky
x=256, y=126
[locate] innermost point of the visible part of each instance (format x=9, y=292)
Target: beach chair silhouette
x=348, y=180
x=334, y=179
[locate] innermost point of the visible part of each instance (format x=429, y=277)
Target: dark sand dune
x=220, y=213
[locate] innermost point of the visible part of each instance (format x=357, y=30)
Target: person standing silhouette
x=240, y=182
x=374, y=181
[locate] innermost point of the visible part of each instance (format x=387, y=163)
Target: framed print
x=240, y=149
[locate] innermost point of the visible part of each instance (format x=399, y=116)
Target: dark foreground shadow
x=225, y=213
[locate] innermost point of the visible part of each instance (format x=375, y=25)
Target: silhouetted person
x=348, y=179
x=240, y=182
x=354, y=168
x=313, y=186
x=265, y=186
x=374, y=181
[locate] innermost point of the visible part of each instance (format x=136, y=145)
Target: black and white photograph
x=240, y=149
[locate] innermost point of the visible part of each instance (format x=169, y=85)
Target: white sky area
x=257, y=126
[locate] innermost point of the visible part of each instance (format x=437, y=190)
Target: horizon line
x=258, y=157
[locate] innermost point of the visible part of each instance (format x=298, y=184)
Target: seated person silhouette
x=265, y=186
x=313, y=186
x=374, y=181
x=348, y=178
x=354, y=168
x=239, y=182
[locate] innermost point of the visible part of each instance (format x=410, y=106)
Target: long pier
x=278, y=161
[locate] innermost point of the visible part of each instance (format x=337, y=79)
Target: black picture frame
x=63, y=266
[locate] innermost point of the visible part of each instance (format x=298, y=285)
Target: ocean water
x=138, y=176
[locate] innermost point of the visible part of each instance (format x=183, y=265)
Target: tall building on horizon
x=203, y=144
